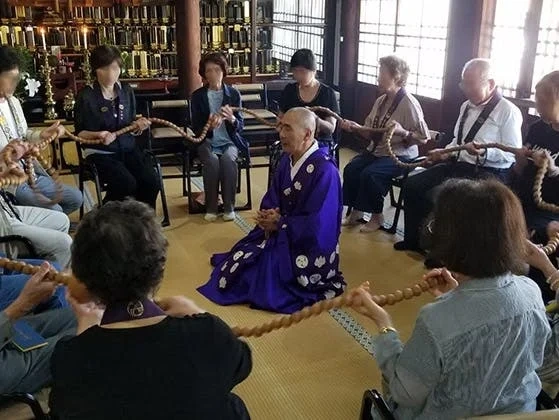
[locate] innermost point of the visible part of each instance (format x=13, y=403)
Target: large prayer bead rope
x=537, y=191
x=77, y=289
x=552, y=245
x=81, y=294
x=345, y=300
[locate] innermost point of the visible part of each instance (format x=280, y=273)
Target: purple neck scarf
x=130, y=311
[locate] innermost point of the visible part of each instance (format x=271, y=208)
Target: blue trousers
x=72, y=197
x=367, y=179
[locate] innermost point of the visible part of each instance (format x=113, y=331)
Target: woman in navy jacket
x=223, y=144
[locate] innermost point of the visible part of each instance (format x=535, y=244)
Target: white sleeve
x=454, y=141
x=510, y=134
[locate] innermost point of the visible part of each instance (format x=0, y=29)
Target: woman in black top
x=307, y=91
x=138, y=360
x=102, y=109
x=543, y=137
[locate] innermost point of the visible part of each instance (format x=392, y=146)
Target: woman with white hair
x=367, y=178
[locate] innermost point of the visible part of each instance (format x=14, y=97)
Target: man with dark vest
x=486, y=117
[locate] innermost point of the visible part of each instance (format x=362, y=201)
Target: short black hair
x=215, y=58
x=479, y=228
x=104, y=55
x=9, y=60
x=304, y=58
x=119, y=252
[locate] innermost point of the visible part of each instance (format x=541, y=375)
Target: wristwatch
x=385, y=330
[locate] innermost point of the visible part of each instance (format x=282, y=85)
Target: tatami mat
x=315, y=370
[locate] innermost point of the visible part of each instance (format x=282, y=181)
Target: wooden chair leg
x=98, y=191
x=81, y=187
x=393, y=201
x=249, y=188
x=30, y=401
x=185, y=159
x=166, y=221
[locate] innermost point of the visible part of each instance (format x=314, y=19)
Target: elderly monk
x=290, y=259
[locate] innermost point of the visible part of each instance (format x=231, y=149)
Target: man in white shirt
x=486, y=117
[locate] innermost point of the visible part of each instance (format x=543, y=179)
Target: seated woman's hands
x=539, y=157
x=268, y=219
x=106, y=137
x=35, y=291
x=227, y=113
x=178, y=306
x=88, y=314
x=536, y=257
x=441, y=281
x=215, y=121
x=365, y=305
x=142, y=124
x=348, y=125
x=552, y=229
x=55, y=129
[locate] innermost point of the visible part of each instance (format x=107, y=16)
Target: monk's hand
x=268, y=219
x=441, y=281
x=364, y=304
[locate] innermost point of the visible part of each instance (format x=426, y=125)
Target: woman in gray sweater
x=476, y=348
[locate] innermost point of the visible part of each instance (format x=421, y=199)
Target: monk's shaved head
x=302, y=117
x=296, y=131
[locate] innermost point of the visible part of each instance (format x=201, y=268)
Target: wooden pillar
x=464, y=25
x=349, y=55
x=188, y=45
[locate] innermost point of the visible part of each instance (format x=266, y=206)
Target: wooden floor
x=315, y=370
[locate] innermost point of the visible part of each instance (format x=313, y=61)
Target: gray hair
x=397, y=67
x=482, y=66
x=305, y=117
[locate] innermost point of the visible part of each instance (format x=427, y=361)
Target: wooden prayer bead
x=408, y=293
x=399, y=295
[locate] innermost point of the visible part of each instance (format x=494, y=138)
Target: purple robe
x=297, y=265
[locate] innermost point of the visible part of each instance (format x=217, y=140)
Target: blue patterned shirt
x=474, y=351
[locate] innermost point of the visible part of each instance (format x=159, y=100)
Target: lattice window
x=416, y=30
x=547, y=51
x=524, y=43
x=298, y=33
x=507, y=43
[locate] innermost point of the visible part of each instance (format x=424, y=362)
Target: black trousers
x=127, y=174
x=420, y=190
